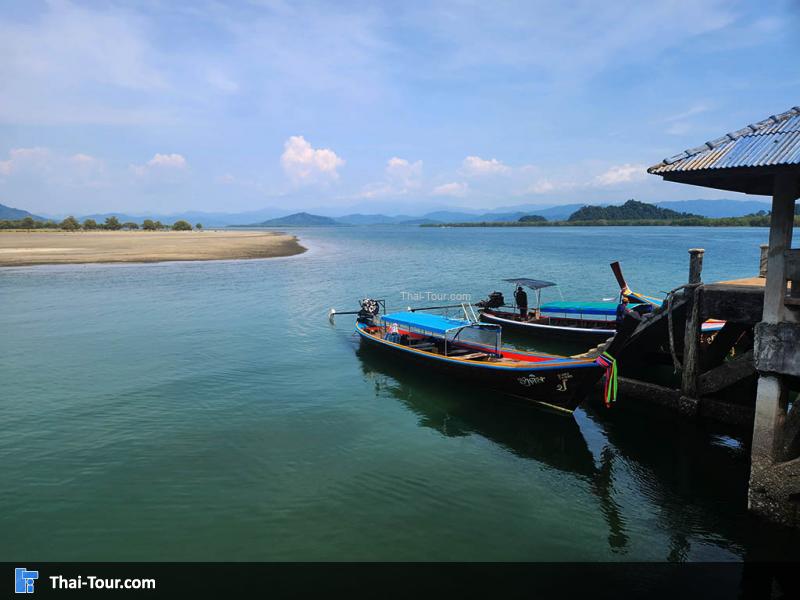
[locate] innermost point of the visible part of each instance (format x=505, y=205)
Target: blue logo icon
x=23, y=580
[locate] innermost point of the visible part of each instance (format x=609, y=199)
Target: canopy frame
x=536, y=285
x=417, y=321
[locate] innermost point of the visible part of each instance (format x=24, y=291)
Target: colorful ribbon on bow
x=609, y=363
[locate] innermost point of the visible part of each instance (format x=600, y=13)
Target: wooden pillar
x=780, y=240
x=771, y=397
x=691, y=338
x=762, y=263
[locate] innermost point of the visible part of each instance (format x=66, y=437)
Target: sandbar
x=25, y=248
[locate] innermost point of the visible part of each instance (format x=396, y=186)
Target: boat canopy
x=432, y=323
x=534, y=284
x=581, y=308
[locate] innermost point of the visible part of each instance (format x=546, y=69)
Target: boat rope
x=676, y=363
x=609, y=363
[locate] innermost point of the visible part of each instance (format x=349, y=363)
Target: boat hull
x=557, y=383
x=587, y=336
x=557, y=333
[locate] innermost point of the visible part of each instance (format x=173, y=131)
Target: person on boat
x=521, y=298
x=622, y=309
x=394, y=334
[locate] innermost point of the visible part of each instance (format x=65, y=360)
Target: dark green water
x=208, y=411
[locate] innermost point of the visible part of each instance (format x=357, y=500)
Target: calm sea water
x=206, y=411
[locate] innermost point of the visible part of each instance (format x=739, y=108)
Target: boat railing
x=469, y=312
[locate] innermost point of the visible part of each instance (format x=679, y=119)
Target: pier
x=748, y=373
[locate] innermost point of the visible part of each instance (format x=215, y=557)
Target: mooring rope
x=676, y=364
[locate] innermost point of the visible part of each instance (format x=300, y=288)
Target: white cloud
x=680, y=123
x=559, y=40
x=25, y=159
x=451, y=189
x=305, y=164
x=403, y=171
x=542, y=186
x=161, y=165
x=48, y=167
x=475, y=166
x=696, y=109
x=169, y=161
x=620, y=174
x=73, y=64
x=402, y=177
x=222, y=81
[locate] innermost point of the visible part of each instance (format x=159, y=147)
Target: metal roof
x=772, y=142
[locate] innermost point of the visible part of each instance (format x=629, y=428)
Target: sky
x=394, y=107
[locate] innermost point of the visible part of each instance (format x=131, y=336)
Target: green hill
x=8, y=213
x=301, y=219
x=631, y=210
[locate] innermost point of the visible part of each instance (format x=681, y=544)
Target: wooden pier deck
x=721, y=378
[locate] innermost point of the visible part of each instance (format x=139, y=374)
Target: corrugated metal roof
x=771, y=142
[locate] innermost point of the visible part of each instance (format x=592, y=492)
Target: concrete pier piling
x=775, y=459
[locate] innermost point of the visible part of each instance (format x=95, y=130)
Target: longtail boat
x=469, y=350
x=585, y=322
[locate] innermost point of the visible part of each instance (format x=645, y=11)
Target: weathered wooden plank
x=651, y=392
x=725, y=412
x=727, y=374
x=791, y=259
x=777, y=348
x=691, y=348
x=738, y=304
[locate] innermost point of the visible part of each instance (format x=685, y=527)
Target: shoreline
x=34, y=248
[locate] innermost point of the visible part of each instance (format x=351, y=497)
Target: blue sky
x=380, y=107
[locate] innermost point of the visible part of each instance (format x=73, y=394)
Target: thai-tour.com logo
x=24, y=580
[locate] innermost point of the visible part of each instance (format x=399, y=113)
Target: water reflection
x=527, y=431
x=698, y=484
x=692, y=485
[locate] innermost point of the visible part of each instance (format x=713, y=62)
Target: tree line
x=110, y=224
x=631, y=213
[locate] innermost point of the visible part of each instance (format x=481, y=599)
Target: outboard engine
x=495, y=300
x=369, y=310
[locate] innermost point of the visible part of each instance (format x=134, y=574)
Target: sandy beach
x=23, y=248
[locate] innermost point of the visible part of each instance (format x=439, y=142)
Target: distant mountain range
x=8, y=213
x=301, y=219
x=271, y=217
x=716, y=208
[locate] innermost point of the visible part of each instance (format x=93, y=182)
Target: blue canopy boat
x=588, y=323
x=471, y=351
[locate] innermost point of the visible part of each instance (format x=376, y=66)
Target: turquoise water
x=209, y=411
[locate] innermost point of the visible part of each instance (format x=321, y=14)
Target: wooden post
x=691, y=338
x=780, y=240
x=762, y=263
x=695, y=264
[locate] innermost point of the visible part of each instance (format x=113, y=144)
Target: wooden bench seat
x=470, y=356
